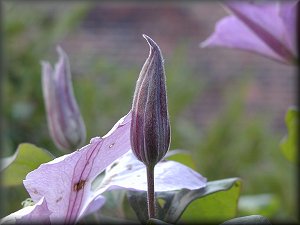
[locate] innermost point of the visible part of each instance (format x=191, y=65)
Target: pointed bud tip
x=150, y=41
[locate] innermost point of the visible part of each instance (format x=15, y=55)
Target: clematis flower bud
x=65, y=123
x=150, y=126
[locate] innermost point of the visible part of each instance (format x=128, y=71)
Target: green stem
x=150, y=192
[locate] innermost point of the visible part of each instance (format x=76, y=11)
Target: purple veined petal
x=264, y=21
x=38, y=213
x=261, y=27
x=129, y=173
x=232, y=33
x=262, y=13
x=288, y=14
x=65, y=182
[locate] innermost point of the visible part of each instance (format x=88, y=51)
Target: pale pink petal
x=66, y=181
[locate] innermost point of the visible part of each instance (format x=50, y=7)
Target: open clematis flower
x=65, y=123
x=64, y=189
x=268, y=29
x=65, y=182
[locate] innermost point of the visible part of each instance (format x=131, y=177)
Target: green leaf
x=289, y=143
x=251, y=220
x=217, y=201
x=27, y=158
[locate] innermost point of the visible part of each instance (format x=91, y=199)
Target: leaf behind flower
x=27, y=158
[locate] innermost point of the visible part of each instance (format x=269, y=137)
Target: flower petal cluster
x=64, y=190
x=268, y=29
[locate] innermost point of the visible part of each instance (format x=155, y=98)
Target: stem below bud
x=150, y=192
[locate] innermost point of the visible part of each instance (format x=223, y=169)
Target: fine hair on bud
x=150, y=127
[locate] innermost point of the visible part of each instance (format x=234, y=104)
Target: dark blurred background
x=226, y=106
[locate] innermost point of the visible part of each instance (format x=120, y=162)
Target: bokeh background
x=226, y=106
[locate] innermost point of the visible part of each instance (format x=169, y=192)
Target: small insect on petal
x=78, y=186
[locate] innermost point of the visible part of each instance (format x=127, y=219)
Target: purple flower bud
x=65, y=123
x=150, y=126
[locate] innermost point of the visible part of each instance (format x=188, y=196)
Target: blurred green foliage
x=289, y=143
x=27, y=36
x=15, y=168
x=233, y=146
x=248, y=147
x=216, y=207
x=262, y=204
